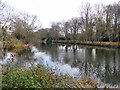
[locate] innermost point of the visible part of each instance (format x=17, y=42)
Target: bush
x=41, y=77
x=30, y=78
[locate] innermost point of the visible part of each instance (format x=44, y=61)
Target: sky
x=49, y=11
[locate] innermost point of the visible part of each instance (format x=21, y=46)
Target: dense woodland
x=95, y=23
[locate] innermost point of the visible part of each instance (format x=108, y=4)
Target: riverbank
x=14, y=45
x=90, y=43
x=42, y=77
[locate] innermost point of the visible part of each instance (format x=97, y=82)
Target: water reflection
x=78, y=61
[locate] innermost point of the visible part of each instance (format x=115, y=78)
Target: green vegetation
x=42, y=77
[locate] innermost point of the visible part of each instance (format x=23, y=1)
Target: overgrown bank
x=13, y=44
x=102, y=44
x=42, y=77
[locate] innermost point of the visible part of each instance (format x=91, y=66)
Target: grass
x=42, y=77
x=19, y=45
x=94, y=43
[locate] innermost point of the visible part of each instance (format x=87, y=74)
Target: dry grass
x=95, y=43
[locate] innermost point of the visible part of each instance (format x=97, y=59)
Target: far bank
x=91, y=43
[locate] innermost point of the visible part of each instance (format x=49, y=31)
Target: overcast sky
x=53, y=10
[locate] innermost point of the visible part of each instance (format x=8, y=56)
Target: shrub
x=42, y=77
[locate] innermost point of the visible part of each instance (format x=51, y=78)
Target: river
x=78, y=61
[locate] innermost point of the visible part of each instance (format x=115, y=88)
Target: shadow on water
x=75, y=60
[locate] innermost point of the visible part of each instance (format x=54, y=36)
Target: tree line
x=95, y=23
x=16, y=24
x=98, y=23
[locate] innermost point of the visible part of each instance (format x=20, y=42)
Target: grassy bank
x=13, y=45
x=102, y=44
x=41, y=77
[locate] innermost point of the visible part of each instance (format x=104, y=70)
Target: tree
x=66, y=29
x=109, y=17
x=55, y=30
x=75, y=25
x=99, y=22
x=86, y=13
x=6, y=13
x=116, y=16
x=24, y=26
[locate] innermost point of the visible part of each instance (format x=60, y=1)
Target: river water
x=75, y=60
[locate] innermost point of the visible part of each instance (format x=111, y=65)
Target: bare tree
x=6, y=14
x=24, y=26
x=99, y=22
x=116, y=16
x=75, y=25
x=109, y=22
x=65, y=29
x=55, y=30
x=86, y=16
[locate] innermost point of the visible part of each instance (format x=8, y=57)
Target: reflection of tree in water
x=26, y=53
x=0, y=54
x=75, y=59
x=66, y=59
x=69, y=54
x=105, y=71
x=111, y=73
x=24, y=57
x=3, y=54
x=103, y=66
